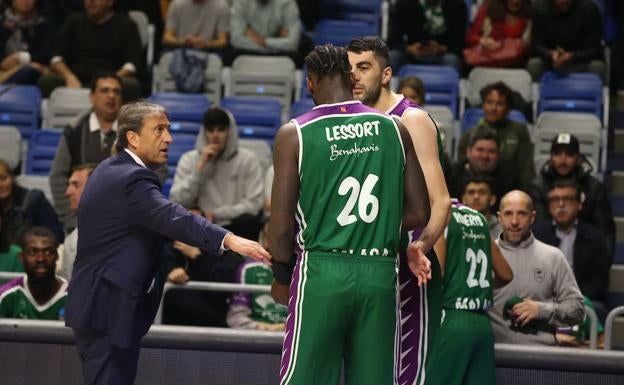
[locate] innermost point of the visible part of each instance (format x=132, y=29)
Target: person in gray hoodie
x=543, y=294
x=224, y=181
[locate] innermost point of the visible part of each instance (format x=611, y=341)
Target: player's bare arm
x=416, y=207
x=502, y=272
x=284, y=196
x=424, y=137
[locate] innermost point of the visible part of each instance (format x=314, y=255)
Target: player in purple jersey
x=420, y=308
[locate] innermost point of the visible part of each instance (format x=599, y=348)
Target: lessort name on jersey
x=352, y=131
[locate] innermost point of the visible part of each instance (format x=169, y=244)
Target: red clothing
x=500, y=29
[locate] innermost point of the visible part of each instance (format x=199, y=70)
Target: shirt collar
x=135, y=157
x=570, y=230
x=94, y=124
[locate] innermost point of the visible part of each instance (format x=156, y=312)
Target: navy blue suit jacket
x=123, y=223
x=591, y=262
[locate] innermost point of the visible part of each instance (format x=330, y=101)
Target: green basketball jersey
x=467, y=281
x=16, y=301
x=351, y=162
x=263, y=306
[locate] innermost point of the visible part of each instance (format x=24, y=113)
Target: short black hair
x=103, y=75
x=565, y=183
x=483, y=134
x=37, y=231
x=501, y=88
x=326, y=60
x=371, y=43
x=216, y=117
x=479, y=179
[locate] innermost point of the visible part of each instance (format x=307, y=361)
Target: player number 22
x=477, y=259
x=367, y=203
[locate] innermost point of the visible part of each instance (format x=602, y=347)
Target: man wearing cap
x=543, y=294
x=566, y=162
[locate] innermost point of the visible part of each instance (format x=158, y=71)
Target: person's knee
x=535, y=66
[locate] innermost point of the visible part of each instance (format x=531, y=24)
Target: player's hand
x=270, y=327
x=526, y=311
x=418, y=262
x=280, y=293
x=247, y=248
x=178, y=275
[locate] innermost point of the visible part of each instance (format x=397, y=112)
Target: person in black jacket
x=428, y=32
x=25, y=42
x=567, y=36
x=583, y=245
x=22, y=208
x=566, y=162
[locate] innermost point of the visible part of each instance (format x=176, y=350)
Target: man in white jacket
x=543, y=294
x=224, y=181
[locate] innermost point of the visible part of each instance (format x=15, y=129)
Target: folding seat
x=255, y=118
x=341, y=32
x=65, y=106
x=20, y=106
x=441, y=83
x=182, y=107
x=41, y=150
x=517, y=79
x=10, y=146
x=473, y=115
x=575, y=92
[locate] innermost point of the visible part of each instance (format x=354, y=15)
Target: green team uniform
x=463, y=352
x=420, y=307
x=16, y=301
x=343, y=292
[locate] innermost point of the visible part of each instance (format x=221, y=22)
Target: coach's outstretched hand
x=418, y=262
x=246, y=247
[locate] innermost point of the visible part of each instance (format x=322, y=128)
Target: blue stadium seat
x=182, y=107
x=473, y=115
x=301, y=107
x=441, y=84
x=341, y=32
x=255, y=118
x=575, y=92
x=368, y=11
x=20, y=106
x=185, y=128
x=181, y=144
x=41, y=150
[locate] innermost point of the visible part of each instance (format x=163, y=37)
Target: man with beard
x=40, y=294
x=582, y=244
x=567, y=162
x=543, y=294
x=482, y=160
x=370, y=65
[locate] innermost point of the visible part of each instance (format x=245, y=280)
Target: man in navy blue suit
x=124, y=222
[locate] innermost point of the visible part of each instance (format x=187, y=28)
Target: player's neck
x=387, y=99
x=44, y=289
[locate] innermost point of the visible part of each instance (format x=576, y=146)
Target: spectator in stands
x=9, y=251
x=566, y=162
x=514, y=142
x=25, y=42
x=198, y=24
x=478, y=195
x=266, y=27
x=89, y=140
x=75, y=186
x=543, y=294
x=199, y=308
x=428, y=32
x=500, y=34
x=412, y=88
x=41, y=294
x=22, y=208
x=98, y=40
x=567, y=36
x=256, y=311
x=583, y=245
x=482, y=158
x=224, y=181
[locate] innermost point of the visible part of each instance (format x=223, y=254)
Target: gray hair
x=131, y=118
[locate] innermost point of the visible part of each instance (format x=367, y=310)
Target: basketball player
x=463, y=351
x=420, y=308
x=349, y=176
